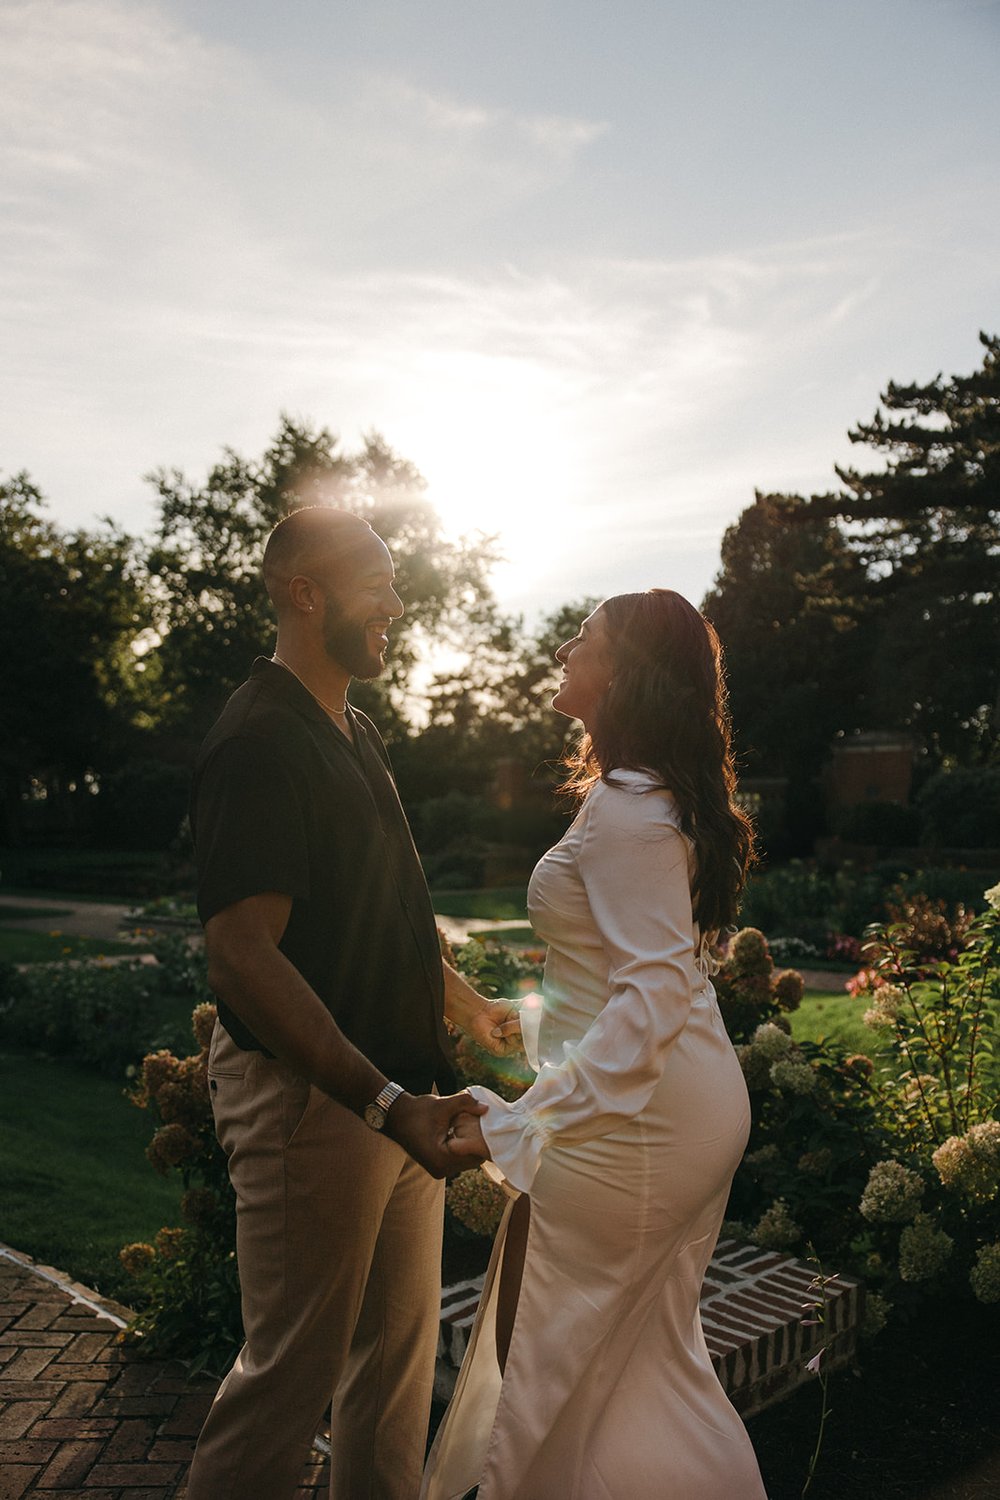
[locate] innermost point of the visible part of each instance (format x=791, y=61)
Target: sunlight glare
x=493, y=439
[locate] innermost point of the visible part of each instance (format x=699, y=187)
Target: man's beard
x=347, y=644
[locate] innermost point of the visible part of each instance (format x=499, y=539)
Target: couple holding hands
x=587, y=1376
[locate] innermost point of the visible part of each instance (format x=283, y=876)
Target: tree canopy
x=790, y=606
x=71, y=605
x=212, y=611
x=876, y=606
x=926, y=527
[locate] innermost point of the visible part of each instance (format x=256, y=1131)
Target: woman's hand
x=465, y=1138
x=497, y=1027
x=494, y=1025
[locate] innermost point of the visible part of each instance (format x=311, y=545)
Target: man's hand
x=465, y=1137
x=426, y=1126
x=496, y=1027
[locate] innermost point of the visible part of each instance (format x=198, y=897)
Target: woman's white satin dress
x=627, y=1143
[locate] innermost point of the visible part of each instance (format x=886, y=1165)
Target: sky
x=600, y=270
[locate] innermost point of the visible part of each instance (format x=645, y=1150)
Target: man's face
x=360, y=603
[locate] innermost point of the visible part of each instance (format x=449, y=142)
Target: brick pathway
x=80, y=1415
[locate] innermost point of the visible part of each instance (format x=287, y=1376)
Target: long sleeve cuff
x=530, y=1016
x=515, y=1138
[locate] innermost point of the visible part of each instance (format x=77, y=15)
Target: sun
x=497, y=448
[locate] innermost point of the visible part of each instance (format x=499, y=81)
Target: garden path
x=112, y=919
x=80, y=1414
x=96, y=919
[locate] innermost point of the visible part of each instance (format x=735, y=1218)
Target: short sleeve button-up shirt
x=282, y=801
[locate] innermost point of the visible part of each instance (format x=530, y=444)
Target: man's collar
x=286, y=685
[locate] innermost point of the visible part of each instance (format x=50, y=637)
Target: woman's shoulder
x=633, y=797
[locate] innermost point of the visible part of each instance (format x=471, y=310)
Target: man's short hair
x=309, y=541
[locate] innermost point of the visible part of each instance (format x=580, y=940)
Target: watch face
x=374, y=1116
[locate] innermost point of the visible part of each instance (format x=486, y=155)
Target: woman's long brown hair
x=666, y=711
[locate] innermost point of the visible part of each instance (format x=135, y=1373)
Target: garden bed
x=917, y=1418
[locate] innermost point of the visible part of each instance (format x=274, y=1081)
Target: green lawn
x=513, y=937
x=76, y=1183
x=10, y=913
x=826, y=1016
x=21, y=947
x=503, y=903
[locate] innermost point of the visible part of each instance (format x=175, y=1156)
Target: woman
x=587, y=1376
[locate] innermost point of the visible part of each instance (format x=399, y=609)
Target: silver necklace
x=337, y=712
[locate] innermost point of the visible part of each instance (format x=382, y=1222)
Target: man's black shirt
x=283, y=802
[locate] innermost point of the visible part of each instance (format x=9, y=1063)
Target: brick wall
x=752, y=1309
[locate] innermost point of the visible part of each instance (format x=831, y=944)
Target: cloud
x=560, y=137
x=193, y=245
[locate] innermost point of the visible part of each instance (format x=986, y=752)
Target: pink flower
x=813, y=1364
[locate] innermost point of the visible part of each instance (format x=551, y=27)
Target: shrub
x=748, y=989
x=929, y=927
x=891, y=1168
x=961, y=808
x=105, y=1015
x=884, y=823
x=476, y=1203
x=142, y=805
x=799, y=900
x=186, y=1283
x=495, y=968
x=822, y=907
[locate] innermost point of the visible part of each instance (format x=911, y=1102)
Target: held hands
x=496, y=1027
x=429, y=1127
x=465, y=1137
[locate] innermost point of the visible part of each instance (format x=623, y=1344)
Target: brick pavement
x=82, y=1416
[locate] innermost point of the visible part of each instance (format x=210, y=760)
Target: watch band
x=376, y=1112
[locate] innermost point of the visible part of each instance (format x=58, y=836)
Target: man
x=324, y=958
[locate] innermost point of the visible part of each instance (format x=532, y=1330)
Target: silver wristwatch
x=376, y=1112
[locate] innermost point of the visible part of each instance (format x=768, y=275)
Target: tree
x=789, y=604
x=491, y=725
x=213, y=613
x=71, y=604
x=926, y=527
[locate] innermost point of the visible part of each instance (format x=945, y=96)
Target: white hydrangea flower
x=984, y=1277
x=970, y=1163
x=776, y=1229
x=886, y=1001
x=923, y=1250
x=794, y=1075
x=771, y=1042
x=892, y=1193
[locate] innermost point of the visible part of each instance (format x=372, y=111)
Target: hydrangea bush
x=186, y=1286
x=750, y=990
x=889, y=1164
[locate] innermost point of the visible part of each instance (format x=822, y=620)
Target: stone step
x=754, y=1304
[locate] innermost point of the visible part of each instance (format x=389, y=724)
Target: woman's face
x=586, y=664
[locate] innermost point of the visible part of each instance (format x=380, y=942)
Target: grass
x=10, y=913
x=77, y=1185
x=831, y=1016
x=23, y=947
x=514, y=937
x=503, y=903
x=91, y=874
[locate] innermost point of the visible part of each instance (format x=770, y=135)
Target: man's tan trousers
x=339, y=1251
